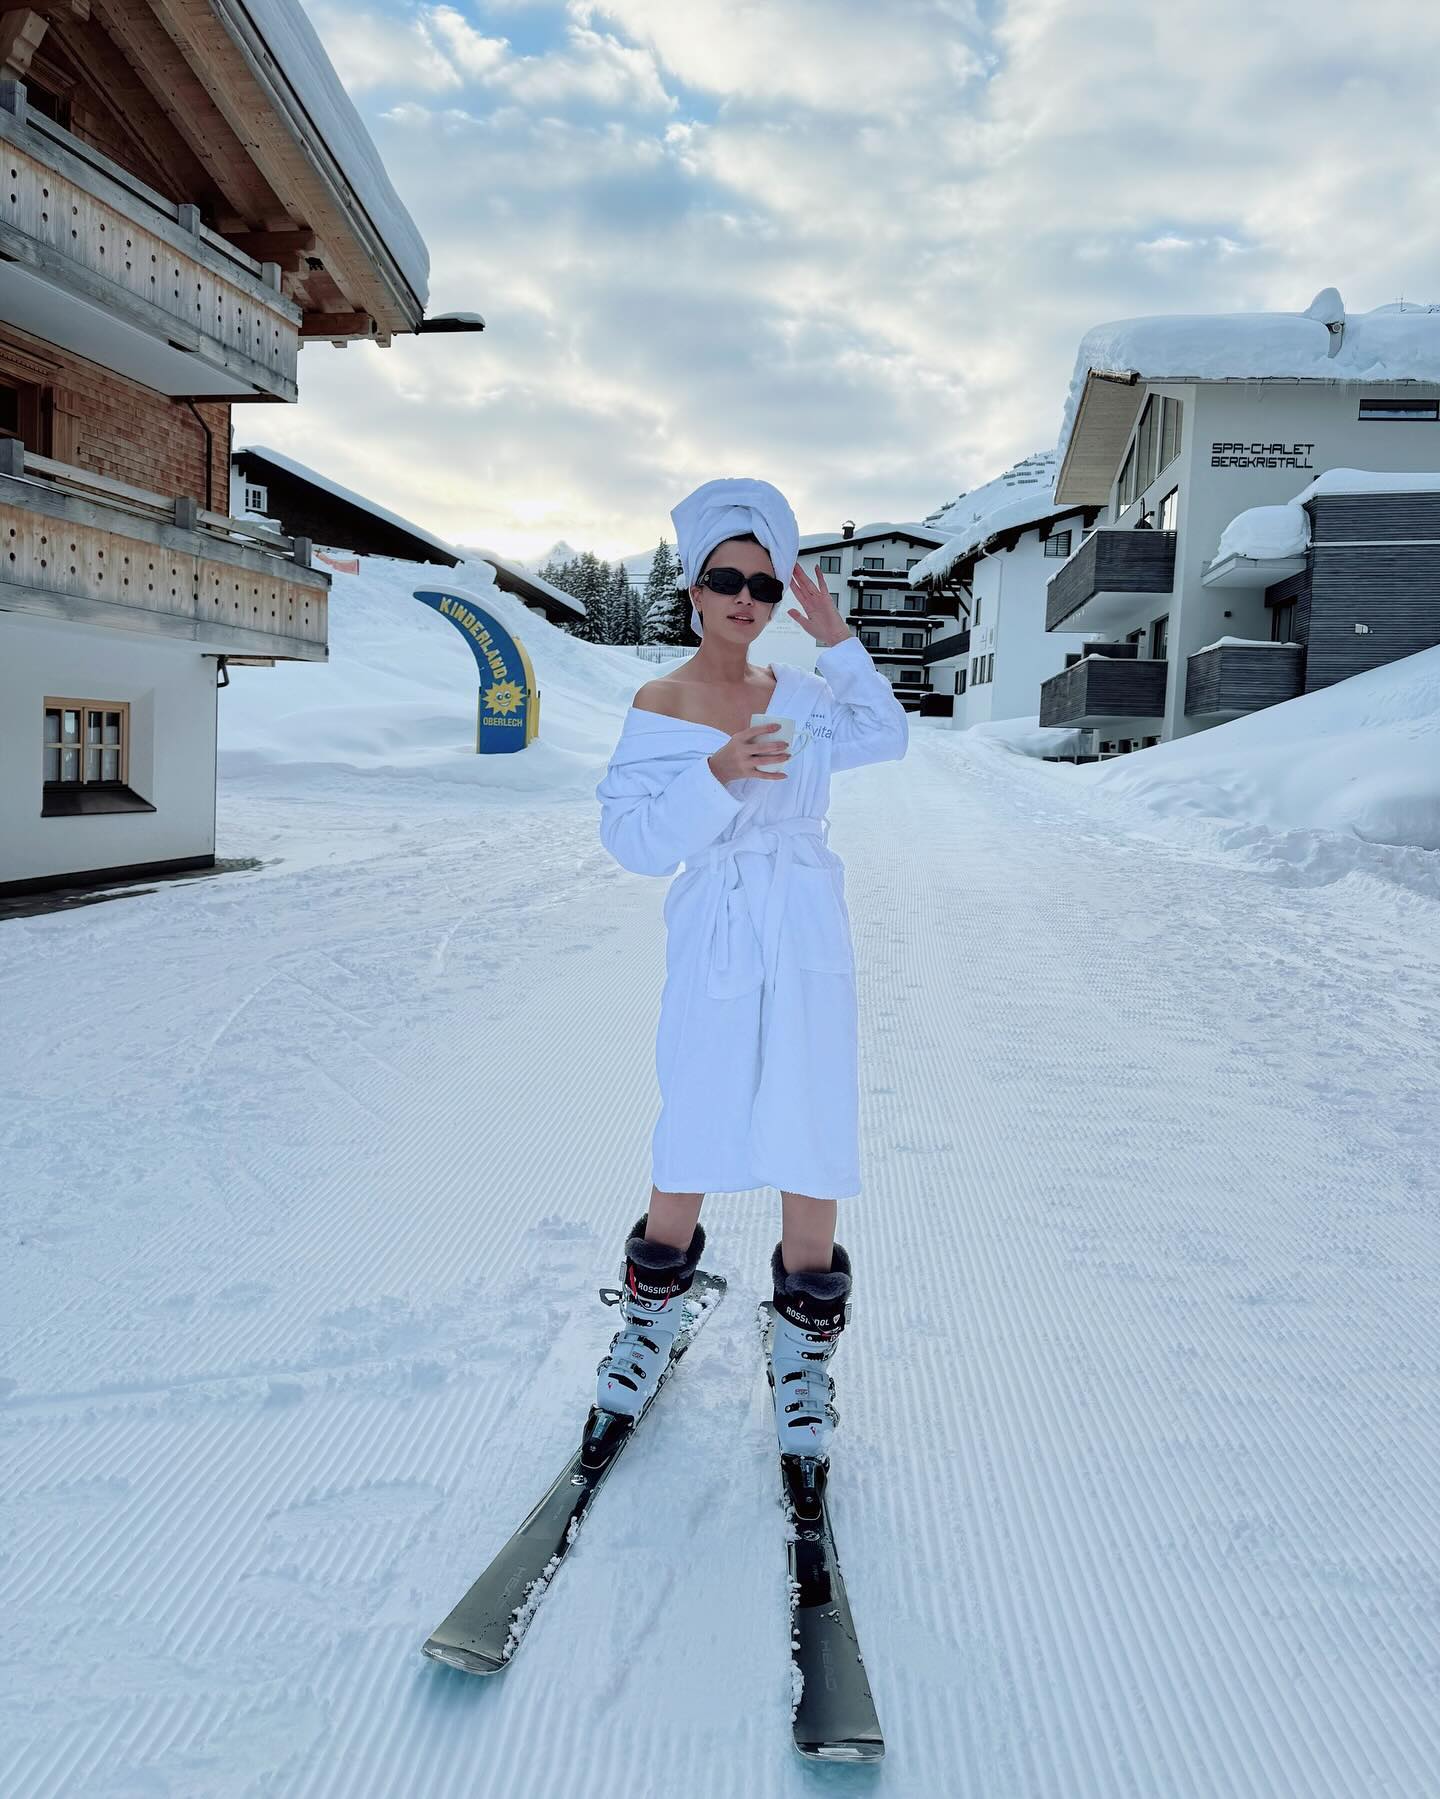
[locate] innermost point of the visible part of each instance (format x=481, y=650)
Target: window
x=1058, y=543
x=1154, y=447
x=829, y=565
x=1170, y=509
x=86, y=741
x=1159, y=636
x=990, y=666
x=872, y=562
x=1137, y=638
x=976, y=619
x=257, y=499
x=1282, y=623
x=23, y=413
x=974, y=671
x=960, y=682
x=910, y=561
x=1399, y=409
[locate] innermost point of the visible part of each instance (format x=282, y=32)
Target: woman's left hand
x=819, y=616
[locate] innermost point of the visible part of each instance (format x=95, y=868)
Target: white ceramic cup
x=785, y=736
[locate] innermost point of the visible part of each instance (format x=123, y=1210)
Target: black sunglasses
x=730, y=581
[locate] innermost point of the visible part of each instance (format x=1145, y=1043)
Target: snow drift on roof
x=1263, y=532
x=817, y=540
x=1023, y=495
x=302, y=60
x=344, y=493
x=1396, y=342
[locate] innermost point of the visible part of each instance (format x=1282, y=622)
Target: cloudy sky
x=847, y=247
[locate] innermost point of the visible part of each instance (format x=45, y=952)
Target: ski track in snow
x=311, y=1174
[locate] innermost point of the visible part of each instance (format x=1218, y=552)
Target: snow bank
x=397, y=698
x=1397, y=342
x=1266, y=532
x=1360, y=759
x=1026, y=736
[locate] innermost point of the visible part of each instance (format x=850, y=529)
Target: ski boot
x=652, y=1302
x=811, y=1310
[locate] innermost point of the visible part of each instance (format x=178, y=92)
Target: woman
x=756, y=1046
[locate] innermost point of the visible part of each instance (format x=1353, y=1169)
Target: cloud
x=851, y=248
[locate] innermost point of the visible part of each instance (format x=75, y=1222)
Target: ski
x=832, y=1711
x=482, y=1633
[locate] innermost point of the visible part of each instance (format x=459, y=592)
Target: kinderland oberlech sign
x=508, y=717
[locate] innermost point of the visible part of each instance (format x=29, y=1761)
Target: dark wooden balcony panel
x=1239, y=678
x=1101, y=688
x=954, y=643
x=1110, y=563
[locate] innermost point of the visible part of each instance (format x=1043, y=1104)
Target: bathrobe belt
x=729, y=860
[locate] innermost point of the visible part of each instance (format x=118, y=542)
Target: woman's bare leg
x=673, y=1217
x=807, y=1234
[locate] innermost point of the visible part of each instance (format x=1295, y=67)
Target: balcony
x=953, y=643
x=1099, y=689
x=1230, y=680
x=76, y=545
x=93, y=260
x=1102, y=581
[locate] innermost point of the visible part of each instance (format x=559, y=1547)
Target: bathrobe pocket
x=736, y=964
x=819, y=922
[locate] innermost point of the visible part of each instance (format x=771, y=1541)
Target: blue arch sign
x=508, y=717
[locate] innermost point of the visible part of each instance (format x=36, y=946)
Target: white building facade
x=867, y=571
x=1172, y=460
x=1009, y=536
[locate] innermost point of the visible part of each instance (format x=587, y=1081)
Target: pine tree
x=665, y=609
x=620, y=607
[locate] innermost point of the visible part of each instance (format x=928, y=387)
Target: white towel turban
x=729, y=508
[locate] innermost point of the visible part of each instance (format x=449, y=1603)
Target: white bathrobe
x=756, y=1048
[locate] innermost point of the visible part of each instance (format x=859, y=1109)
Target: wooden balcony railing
x=78, y=545
x=73, y=220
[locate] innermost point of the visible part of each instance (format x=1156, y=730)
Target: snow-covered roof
x=1369, y=480
x=821, y=540
x=1396, y=342
x=1023, y=495
x=1268, y=533
x=301, y=61
x=519, y=579
x=316, y=479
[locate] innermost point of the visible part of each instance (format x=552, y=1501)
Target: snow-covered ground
x=311, y=1173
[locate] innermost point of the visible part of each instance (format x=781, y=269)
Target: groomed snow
x=311, y=1172
x=1396, y=342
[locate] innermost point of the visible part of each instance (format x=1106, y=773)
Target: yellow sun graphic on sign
x=504, y=697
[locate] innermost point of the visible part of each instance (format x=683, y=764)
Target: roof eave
x=1103, y=420
x=396, y=307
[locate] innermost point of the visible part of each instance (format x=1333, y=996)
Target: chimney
x=847, y=529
